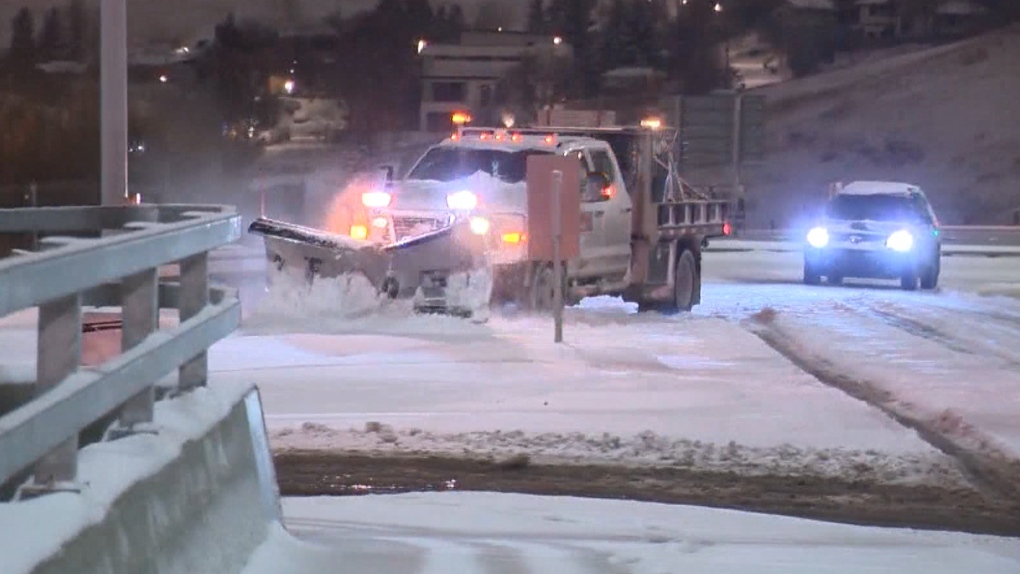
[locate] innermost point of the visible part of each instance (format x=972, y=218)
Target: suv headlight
x=818, y=237
x=462, y=201
x=900, y=241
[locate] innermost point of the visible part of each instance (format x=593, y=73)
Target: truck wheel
x=685, y=281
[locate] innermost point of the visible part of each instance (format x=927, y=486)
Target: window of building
x=448, y=91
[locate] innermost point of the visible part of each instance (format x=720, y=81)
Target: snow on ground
x=518, y=534
x=940, y=117
x=955, y=370
x=624, y=389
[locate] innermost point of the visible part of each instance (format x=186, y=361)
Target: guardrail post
x=59, y=356
x=140, y=317
x=194, y=298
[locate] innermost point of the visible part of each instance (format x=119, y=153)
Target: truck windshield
x=876, y=208
x=453, y=163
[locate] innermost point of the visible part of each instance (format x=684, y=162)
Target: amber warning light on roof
x=461, y=118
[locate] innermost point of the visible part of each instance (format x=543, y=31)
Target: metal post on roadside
x=113, y=87
x=557, y=235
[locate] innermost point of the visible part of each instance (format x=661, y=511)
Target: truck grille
x=404, y=226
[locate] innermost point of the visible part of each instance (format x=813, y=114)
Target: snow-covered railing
x=119, y=268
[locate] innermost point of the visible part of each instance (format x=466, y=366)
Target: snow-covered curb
x=646, y=449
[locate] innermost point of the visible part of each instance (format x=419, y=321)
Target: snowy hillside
x=943, y=117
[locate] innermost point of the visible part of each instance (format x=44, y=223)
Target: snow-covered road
x=515, y=534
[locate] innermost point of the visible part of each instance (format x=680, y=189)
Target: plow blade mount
x=435, y=269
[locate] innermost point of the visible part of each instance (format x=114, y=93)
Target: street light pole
x=113, y=87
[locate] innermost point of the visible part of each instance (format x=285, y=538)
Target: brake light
x=727, y=228
x=609, y=192
x=454, y=137
x=359, y=232
x=515, y=137
x=513, y=238
x=549, y=139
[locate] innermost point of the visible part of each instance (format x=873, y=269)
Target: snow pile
x=941, y=118
x=293, y=298
x=349, y=304
x=512, y=533
x=643, y=449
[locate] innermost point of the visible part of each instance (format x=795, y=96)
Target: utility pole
x=113, y=90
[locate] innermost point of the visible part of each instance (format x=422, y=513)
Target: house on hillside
x=891, y=20
x=463, y=77
x=955, y=18
x=878, y=19
x=808, y=31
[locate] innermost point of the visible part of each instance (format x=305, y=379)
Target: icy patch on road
x=640, y=450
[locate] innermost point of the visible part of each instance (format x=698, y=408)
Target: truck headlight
x=479, y=225
x=900, y=241
x=462, y=201
x=376, y=199
x=818, y=237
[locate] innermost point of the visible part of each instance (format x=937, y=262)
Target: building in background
x=463, y=77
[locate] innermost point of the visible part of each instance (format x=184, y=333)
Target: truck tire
x=685, y=281
x=540, y=293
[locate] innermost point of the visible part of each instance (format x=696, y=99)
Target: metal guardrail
x=120, y=269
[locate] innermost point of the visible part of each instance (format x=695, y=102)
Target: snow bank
x=645, y=449
x=488, y=532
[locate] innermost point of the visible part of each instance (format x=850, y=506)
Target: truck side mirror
x=387, y=171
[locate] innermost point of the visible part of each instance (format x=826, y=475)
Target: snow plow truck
x=458, y=219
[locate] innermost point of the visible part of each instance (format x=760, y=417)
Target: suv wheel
x=930, y=278
x=909, y=282
x=811, y=274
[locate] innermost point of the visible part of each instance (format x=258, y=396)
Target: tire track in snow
x=994, y=473
x=930, y=327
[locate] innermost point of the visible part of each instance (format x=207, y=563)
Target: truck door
x=616, y=217
x=594, y=259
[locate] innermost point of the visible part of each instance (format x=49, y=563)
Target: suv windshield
x=453, y=163
x=877, y=208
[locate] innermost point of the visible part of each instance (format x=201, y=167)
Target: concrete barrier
x=198, y=497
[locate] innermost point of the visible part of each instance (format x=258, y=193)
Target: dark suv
x=876, y=230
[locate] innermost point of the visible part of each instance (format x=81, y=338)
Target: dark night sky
x=184, y=19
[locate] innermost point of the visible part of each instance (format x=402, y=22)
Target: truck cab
x=481, y=175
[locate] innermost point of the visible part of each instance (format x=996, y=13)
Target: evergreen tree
x=537, y=23
x=613, y=36
x=77, y=24
x=51, y=39
x=23, y=48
